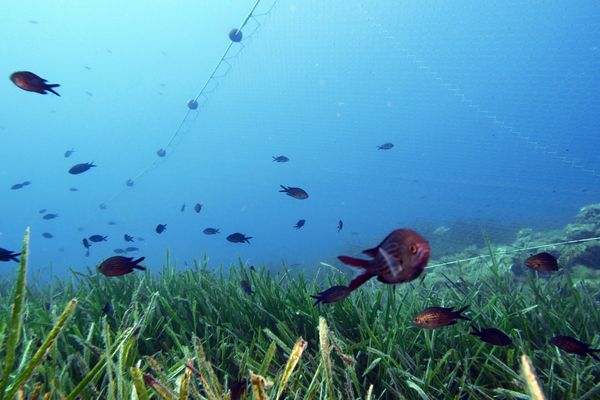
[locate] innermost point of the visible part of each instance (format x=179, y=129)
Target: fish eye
x=413, y=249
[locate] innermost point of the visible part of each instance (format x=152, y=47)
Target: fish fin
x=135, y=264
x=285, y=190
x=475, y=331
x=49, y=88
x=457, y=314
x=354, y=262
x=591, y=354
x=14, y=257
x=359, y=280
x=247, y=239
x=371, y=252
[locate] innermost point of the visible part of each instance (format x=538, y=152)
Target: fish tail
x=475, y=331
x=135, y=264
x=49, y=88
x=285, y=190
x=247, y=240
x=354, y=262
x=459, y=316
x=359, y=280
x=14, y=257
x=591, y=353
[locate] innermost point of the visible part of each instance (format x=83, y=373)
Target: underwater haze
x=492, y=109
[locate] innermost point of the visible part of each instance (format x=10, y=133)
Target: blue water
x=493, y=110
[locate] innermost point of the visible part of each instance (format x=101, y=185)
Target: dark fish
x=542, y=262
x=141, y=239
x=50, y=216
x=98, y=238
x=198, y=207
x=17, y=186
x=81, y=168
x=400, y=257
x=32, y=83
x=26, y=183
x=246, y=287
x=492, y=336
x=119, y=265
x=192, y=104
x=68, y=153
x=43, y=210
x=332, y=295
x=73, y=189
x=160, y=228
x=129, y=182
x=239, y=238
x=161, y=152
x=7, y=255
x=182, y=207
x=280, y=159
x=340, y=225
x=574, y=346
x=294, y=192
x=438, y=317
x=385, y=146
x=300, y=223
x=235, y=35
x=111, y=223
x=210, y=231
x=107, y=309
x=237, y=389
x=119, y=251
x=128, y=238
x=86, y=244
x=47, y=235
x=131, y=249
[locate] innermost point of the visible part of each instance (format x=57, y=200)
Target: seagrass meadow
x=189, y=334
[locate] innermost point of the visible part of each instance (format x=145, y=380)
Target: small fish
x=32, y=83
x=438, y=317
x=81, y=168
x=68, y=153
x=400, y=257
x=102, y=206
x=73, y=189
x=182, y=207
x=86, y=243
x=294, y=192
x=198, y=208
x=119, y=265
x=246, y=287
x=98, y=238
x=192, y=104
x=119, y=251
x=47, y=235
x=332, y=295
x=107, y=309
x=492, y=336
x=237, y=389
x=160, y=228
x=111, y=223
x=299, y=224
x=17, y=186
x=542, y=262
x=280, y=159
x=210, y=231
x=340, y=225
x=161, y=152
x=7, y=255
x=42, y=211
x=131, y=249
x=239, y=238
x=141, y=239
x=128, y=238
x=26, y=183
x=385, y=146
x=574, y=346
x=50, y=216
x=129, y=182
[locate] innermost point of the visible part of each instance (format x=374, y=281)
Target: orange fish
x=542, y=262
x=119, y=265
x=32, y=83
x=438, y=317
x=400, y=257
